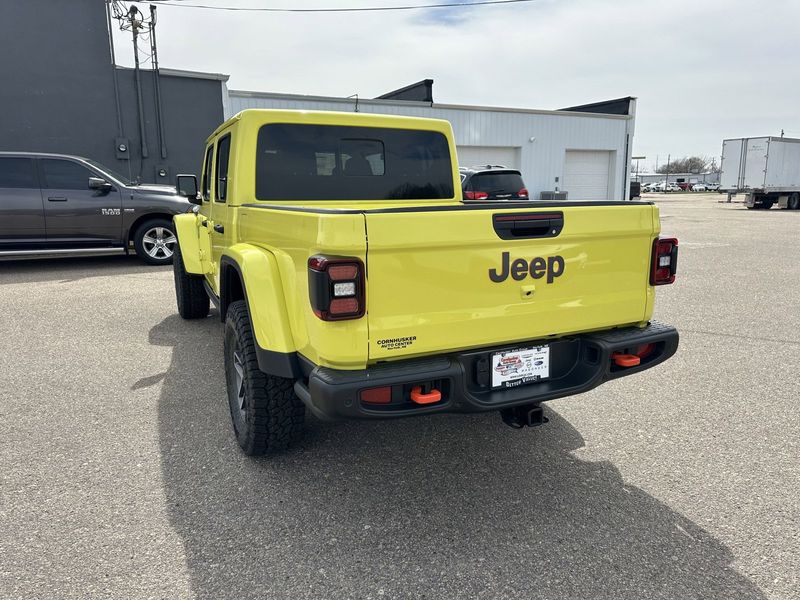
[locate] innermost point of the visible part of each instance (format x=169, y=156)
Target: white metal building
x=586, y=154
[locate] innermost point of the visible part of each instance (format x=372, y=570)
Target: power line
x=182, y=4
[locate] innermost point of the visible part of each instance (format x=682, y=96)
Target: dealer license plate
x=521, y=366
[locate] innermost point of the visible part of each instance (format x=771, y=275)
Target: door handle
x=219, y=228
x=57, y=199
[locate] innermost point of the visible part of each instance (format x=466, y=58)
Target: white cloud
x=702, y=70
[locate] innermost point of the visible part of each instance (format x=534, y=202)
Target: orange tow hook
x=625, y=360
x=419, y=398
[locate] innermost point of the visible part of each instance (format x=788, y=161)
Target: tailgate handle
x=524, y=226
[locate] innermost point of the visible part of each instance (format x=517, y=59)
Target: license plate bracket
x=520, y=366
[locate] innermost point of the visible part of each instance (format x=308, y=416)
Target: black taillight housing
x=336, y=287
x=664, y=264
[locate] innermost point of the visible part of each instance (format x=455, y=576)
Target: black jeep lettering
x=519, y=269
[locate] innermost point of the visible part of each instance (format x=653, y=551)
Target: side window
x=206, y=184
x=223, y=156
x=65, y=175
x=17, y=173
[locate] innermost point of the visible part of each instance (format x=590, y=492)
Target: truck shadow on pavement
x=448, y=506
x=69, y=269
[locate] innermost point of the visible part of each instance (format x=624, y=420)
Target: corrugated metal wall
x=541, y=160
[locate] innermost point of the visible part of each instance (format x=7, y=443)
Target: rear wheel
x=155, y=241
x=794, y=201
x=766, y=204
x=193, y=302
x=266, y=414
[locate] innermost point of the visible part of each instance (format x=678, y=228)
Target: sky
x=702, y=70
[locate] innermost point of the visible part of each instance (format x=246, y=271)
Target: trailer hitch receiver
x=524, y=416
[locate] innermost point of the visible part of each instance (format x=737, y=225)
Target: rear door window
x=330, y=162
x=207, y=173
x=17, y=173
x=223, y=157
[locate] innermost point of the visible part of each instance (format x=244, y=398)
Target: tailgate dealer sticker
x=397, y=343
x=517, y=367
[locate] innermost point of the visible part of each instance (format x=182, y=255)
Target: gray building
x=59, y=95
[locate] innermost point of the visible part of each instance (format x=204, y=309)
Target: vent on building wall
x=552, y=195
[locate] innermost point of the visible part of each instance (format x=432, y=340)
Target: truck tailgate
x=445, y=279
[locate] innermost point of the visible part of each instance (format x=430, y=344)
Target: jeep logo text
x=551, y=267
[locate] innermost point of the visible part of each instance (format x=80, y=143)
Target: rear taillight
x=523, y=193
x=476, y=195
x=665, y=261
x=336, y=287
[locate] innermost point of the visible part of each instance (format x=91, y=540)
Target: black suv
x=492, y=182
x=56, y=204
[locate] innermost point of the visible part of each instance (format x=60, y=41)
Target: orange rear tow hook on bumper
x=625, y=360
x=430, y=398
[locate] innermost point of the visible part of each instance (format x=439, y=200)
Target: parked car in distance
x=662, y=186
x=684, y=186
x=492, y=183
x=712, y=187
x=699, y=187
x=60, y=204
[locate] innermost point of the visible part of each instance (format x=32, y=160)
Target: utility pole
x=157, y=82
x=136, y=25
x=666, y=174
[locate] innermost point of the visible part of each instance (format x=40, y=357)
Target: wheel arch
x=251, y=274
x=134, y=227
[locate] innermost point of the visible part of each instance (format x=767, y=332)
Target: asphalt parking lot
x=121, y=477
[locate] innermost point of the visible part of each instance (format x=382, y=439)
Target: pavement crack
x=742, y=336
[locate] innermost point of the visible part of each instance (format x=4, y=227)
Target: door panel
x=21, y=208
x=587, y=174
x=73, y=212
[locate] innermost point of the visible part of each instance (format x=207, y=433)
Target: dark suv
x=492, y=182
x=55, y=204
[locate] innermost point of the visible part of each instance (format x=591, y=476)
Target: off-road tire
x=160, y=256
x=193, y=302
x=266, y=414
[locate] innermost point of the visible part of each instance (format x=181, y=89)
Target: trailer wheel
x=794, y=201
x=766, y=204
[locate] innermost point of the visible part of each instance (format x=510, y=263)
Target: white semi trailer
x=766, y=169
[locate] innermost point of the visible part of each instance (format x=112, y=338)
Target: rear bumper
x=578, y=364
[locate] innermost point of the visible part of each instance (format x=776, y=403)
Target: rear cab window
x=331, y=162
x=508, y=182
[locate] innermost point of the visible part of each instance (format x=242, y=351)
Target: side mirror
x=186, y=185
x=97, y=183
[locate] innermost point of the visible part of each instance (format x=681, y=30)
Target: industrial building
x=150, y=123
x=576, y=150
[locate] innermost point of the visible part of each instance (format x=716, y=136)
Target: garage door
x=586, y=174
x=473, y=156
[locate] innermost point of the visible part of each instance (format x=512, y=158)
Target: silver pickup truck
x=58, y=204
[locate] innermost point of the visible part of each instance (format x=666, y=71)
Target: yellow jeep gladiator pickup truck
x=355, y=282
